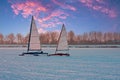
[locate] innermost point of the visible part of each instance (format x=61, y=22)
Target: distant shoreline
x=70, y=46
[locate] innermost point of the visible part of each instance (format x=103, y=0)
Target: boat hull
x=32, y=53
x=59, y=54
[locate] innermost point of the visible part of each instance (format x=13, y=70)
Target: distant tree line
x=52, y=37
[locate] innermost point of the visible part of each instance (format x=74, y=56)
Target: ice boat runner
x=34, y=45
x=62, y=46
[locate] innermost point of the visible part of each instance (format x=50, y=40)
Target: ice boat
x=62, y=46
x=34, y=45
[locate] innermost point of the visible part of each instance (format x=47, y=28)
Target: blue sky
x=77, y=15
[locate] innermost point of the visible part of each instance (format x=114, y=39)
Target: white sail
x=34, y=41
x=62, y=41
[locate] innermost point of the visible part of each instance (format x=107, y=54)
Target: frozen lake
x=83, y=64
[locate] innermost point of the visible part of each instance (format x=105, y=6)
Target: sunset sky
x=77, y=15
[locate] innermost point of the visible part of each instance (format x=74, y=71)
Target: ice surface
x=83, y=64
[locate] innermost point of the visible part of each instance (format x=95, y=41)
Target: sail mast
x=62, y=44
x=34, y=46
x=34, y=38
x=59, y=39
x=30, y=35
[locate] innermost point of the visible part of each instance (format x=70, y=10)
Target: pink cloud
x=52, y=19
x=112, y=14
x=100, y=1
x=57, y=13
x=98, y=5
x=28, y=8
x=41, y=30
x=49, y=25
x=65, y=6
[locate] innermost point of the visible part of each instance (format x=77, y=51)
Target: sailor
x=41, y=51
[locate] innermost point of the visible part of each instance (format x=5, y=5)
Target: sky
x=78, y=15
